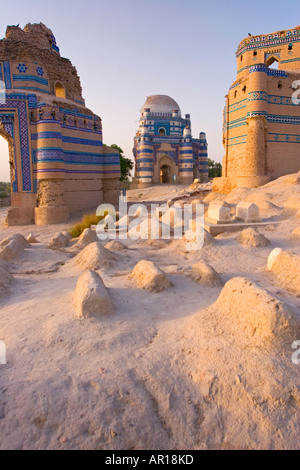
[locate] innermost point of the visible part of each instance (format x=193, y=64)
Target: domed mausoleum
x=164, y=149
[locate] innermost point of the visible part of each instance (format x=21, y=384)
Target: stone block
x=219, y=213
x=247, y=212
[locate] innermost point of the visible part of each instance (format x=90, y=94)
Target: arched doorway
x=165, y=174
x=60, y=91
x=5, y=174
x=14, y=129
x=272, y=62
x=164, y=169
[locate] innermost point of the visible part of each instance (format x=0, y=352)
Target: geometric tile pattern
x=20, y=105
x=22, y=68
x=40, y=71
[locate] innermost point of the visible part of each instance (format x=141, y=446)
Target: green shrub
x=214, y=169
x=86, y=222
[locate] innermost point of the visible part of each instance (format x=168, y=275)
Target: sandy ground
x=164, y=372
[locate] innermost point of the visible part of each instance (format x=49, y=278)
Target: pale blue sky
x=125, y=50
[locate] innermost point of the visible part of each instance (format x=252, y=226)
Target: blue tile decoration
x=270, y=41
x=22, y=68
x=283, y=138
x=24, y=142
x=40, y=71
x=30, y=78
x=7, y=75
x=54, y=45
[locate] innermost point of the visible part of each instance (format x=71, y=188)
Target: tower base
x=51, y=215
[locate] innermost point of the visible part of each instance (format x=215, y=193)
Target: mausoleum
x=261, y=133
x=58, y=163
x=164, y=149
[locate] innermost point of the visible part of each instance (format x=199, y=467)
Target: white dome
x=162, y=104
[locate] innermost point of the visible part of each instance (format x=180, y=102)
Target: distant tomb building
x=261, y=131
x=164, y=149
x=58, y=163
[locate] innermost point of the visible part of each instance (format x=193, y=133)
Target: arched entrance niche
x=165, y=174
x=166, y=169
x=7, y=156
x=14, y=129
x=272, y=62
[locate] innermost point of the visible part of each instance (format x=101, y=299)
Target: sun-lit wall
x=261, y=133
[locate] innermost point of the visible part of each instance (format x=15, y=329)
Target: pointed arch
x=60, y=90
x=11, y=152
x=272, y=61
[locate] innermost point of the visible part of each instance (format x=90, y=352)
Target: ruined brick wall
x=58, y=160
x=35, y=47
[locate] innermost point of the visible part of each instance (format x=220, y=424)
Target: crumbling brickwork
x=56, y=151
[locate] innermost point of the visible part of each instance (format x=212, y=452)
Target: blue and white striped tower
x=203, y=157
x=186, y=161
x=144, y=158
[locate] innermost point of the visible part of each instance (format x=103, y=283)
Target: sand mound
x=140, y=211
x=5, y=280
x=67, y=235
x=91, y=297
x=270, y=198
x=173, y=217
x=292, y=204
x=293, y=179
x=212, y=197
x=115, y=245
x=205, y=275
x=158, y=244
x=286, y=267
x=58, y=242
x=251, y=237
x=124, y=222
x=192, y=242
x=32, y=239
x=238, y=354
x=192, y=236
x=259, y=317
x=94, y=256
x=296, y=234
x=237, y=195
x=150, y=277
x=12, y=247
x=87, y=237
x=150, y=228
x=16, y=237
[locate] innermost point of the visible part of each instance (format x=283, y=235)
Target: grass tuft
x=86, y=222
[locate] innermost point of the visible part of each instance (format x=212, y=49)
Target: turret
x=203, y=157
